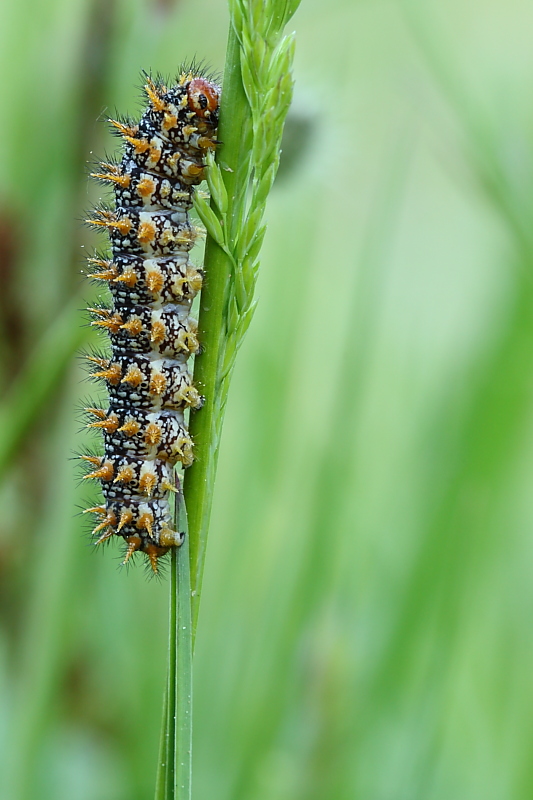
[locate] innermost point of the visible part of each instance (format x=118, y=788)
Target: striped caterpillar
x=151, y=332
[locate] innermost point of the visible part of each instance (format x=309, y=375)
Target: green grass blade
x=183, y=692
x=255, y=100
x=161, y=781
x=205, y=426
x=38, y=380
x=174, y=771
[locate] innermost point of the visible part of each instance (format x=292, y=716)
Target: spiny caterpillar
x=151, y=332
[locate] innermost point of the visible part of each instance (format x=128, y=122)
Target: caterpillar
x=150, y=331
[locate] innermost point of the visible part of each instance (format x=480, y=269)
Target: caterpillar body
x=151, y=333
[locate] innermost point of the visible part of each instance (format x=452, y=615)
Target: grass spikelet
x=257, y=91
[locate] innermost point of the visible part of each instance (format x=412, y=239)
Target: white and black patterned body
x=152, y=334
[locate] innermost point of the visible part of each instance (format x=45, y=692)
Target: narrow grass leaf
x=174, y=770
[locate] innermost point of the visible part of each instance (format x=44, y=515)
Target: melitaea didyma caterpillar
x=151, y=332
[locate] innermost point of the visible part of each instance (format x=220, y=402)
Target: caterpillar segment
x=152, y=335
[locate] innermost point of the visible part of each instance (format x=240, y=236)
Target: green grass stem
x=256, y=97
x=37, y=381
x=206, y=426
x=174, y=772
x=257, y=66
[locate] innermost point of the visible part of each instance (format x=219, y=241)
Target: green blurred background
x=366, y=630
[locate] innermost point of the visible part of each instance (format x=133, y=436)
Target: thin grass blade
x=174, y=770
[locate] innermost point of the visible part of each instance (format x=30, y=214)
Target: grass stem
x=174, y=772
x=206, y=426
x=239, y=180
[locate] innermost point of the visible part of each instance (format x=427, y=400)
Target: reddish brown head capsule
x=203, y=98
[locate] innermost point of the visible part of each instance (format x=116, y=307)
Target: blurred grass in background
x=366, y=627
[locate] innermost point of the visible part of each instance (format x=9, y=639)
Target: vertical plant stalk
x=205, y=427
x=174, y=771
x=257, y=91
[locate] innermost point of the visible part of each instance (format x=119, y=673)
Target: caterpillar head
x=203, y=98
